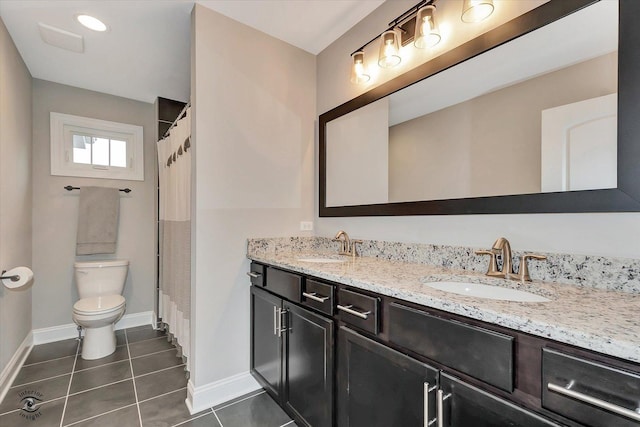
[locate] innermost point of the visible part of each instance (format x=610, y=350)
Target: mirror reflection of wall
x=489, y=145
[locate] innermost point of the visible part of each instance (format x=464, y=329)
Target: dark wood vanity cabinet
x=266, y=346
x=381, y=387
x=398, y=363
x=292, y=351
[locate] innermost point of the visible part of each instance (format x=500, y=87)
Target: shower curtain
x=174, y=169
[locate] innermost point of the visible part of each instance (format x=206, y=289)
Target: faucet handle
x=354, y=248
x=493, y=264
x=523, y=274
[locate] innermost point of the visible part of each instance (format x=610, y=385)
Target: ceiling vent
x=61, y=38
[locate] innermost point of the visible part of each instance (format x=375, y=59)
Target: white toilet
x=101, y=305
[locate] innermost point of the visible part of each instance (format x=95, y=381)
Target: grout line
x=100, y=366
x=163, y=394
x=217, y=418
x=43, y=379
x=160, y=370
x=135, y=390
x=189, y=420
x=66, y=398
x=47, y=361
x=241, y=400
x=155, y=352
x=100, y=386
x=164, y=337
x=99, y=415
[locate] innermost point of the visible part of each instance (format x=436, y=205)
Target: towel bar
x=69, y=188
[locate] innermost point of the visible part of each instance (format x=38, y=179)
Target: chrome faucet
x=347, y=246
x=503, y=248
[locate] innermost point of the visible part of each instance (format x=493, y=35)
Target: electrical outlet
x=306, y=225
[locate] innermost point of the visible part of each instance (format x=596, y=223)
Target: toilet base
x=98, y=342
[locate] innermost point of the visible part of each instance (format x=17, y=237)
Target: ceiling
x=146, y=51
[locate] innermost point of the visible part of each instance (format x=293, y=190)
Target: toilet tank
x=98, y=278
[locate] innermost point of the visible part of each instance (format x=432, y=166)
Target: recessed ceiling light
x=92, y=23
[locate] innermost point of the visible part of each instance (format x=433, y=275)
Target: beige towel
x=98, y=220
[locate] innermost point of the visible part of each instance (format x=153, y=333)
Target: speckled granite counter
x=600, y=320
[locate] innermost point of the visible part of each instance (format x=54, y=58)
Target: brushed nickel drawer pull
x=253, y=275
x=275, y=320
x=427, y=391
x=348, y=309
x=603, y=404
x=441, y=398
x=315, y=297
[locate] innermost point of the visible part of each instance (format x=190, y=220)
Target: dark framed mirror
x=620, y=192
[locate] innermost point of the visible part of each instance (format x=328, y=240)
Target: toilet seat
x=99, y=305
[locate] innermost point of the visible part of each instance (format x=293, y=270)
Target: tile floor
x=142, y=384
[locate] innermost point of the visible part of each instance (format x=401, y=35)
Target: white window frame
x=62, y=128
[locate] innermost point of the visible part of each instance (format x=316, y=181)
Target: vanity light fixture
x=418, y=25
x=427, y=33
x=358, y=71
x=92, y=23
x=389, y=55
x=476, y=10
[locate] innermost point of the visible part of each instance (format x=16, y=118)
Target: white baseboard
x=64, y=332
x=212, y=394
x=10, y=371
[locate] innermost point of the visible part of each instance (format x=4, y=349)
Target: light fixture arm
x=399, y=20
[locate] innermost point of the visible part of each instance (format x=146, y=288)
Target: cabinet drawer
x=256, y=274
x=319, y=296
x=285, y=284
x=359, y=310
x=589, y=392
x=479, y=352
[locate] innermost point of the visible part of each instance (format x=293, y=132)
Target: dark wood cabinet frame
x=625, y=198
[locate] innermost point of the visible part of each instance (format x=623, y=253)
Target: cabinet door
x=464, y=405
x=266, y=345
x=380, y=387
x=309, y=344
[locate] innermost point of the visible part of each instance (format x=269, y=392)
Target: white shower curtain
x=174, y=168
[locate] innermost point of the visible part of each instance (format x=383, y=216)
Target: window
x=92, y=148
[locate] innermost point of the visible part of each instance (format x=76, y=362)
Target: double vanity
x=365, y=341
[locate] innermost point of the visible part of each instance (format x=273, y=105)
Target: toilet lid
x=97, y=305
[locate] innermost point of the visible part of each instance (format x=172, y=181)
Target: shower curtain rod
x=184, y=110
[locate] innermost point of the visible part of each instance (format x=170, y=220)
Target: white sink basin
x=479, y=290
x=321, y=260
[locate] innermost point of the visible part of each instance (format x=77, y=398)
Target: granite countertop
x=600, y=320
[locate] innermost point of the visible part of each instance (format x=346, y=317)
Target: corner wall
x=253, y=100
x=608, y=234
x=55, y=210
x=15, y=199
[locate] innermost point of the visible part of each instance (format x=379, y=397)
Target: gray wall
x=253, y=99
x=15, y=193
x=614, y=234
x=55, y=210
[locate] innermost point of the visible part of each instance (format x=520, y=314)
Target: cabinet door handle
x=314, y=296
x=441, y=398
x=275, y=320
x=253, y=275
x=427, y=391
x=348, y=309
x=280, y=328
x=603, y=404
